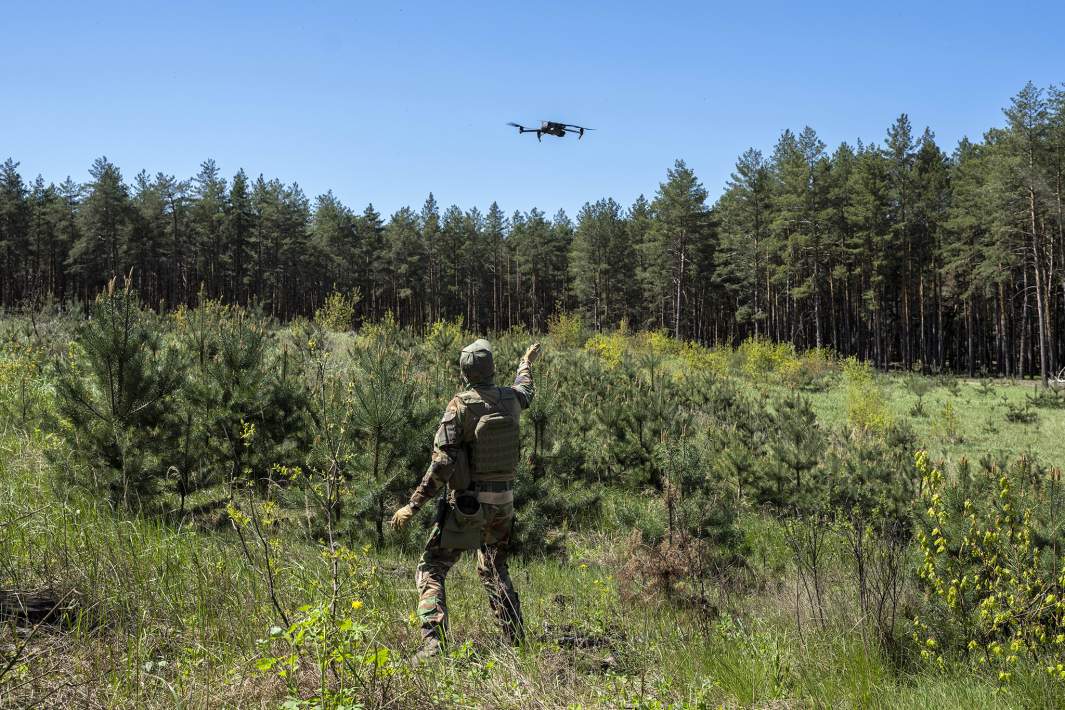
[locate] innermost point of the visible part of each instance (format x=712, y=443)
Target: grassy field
x=179, y=613
x=172, y=619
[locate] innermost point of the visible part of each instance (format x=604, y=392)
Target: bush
x=338, y=311
x=112, y=394
x=566, y=330
x=760, y=356
x=990, y=572
x=243, y=402
x=945, y=425
x=24, y=394
x=699, y=359
x=867, y=409
x=444, y=340
x=611, y=348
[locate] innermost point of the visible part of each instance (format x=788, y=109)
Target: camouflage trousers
x=436, y=561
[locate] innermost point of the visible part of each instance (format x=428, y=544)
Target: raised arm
x=523, y=381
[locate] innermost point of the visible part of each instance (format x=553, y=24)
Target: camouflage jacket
x=449, y=439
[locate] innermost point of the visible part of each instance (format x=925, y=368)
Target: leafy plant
x=867, y=409
x=338, y=312
x=995, y=593
x=112, y=392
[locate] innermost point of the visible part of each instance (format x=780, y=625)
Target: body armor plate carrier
x=494, y=445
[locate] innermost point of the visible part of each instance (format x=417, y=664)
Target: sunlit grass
x=170, y=614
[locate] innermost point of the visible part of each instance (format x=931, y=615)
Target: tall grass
x=175, y=612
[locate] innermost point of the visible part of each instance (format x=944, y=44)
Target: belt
x=494, y=486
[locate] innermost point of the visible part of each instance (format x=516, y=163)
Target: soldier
x=475, y=452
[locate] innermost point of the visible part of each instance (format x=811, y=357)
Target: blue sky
x=385, y=102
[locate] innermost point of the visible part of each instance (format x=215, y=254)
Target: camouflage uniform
x=495, y=494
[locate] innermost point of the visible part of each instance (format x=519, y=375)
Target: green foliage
x=760, y=357
x=338, y=311
x=990, y=567
x=610, y=347
x=1017, y=413
x=242, y=402
x=945, y=424
x=867, y=410
x=566, y=330
x=670, y=512
x=112, y=395
x=919, y=386
x=444, y=339
x=1046, y=398
x=390, y=422
x=24, y=396
x=336, y=642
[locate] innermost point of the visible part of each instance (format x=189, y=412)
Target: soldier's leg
x=432, y=571
x=493, y=570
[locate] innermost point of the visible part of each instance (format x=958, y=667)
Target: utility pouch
x=463, y=528
x=461, y=477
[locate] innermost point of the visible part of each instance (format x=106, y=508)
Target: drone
x=552, y=128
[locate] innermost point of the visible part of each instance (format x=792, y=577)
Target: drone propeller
x=521, y=128
x=573, y=128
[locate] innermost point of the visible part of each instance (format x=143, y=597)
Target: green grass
x=171, y=615
x=171, y=618
x=981, y=422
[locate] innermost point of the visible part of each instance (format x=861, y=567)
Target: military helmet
x=476, y=363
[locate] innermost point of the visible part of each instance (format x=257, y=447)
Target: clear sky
x=384, y=102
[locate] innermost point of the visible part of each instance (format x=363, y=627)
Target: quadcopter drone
x=552, y=128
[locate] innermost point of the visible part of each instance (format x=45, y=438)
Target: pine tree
x=680, y=223
x=602, y=261
x=208, y=223
x=113, y=391
x=1028, y=117
x=14, y=232
x=371, y=261
x=239, y=227
x=744, y=213
x=101, y=249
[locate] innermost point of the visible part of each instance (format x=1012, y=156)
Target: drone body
x=552, y=128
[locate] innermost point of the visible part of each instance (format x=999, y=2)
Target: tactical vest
x=490, y=431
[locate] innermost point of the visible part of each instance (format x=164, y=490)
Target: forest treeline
x=896, y=252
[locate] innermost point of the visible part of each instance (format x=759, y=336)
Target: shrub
x=812, y=371
x=112, y=392
x=945, y=426
x=24, y=394
x=700, y=359
x=702, y=552
x=867, y=409
x=243, y=401
x=611, y=348
x=566, y=330
x=338, y=311
x=392, y=428
x=760, y=356
x=445, y=339
x=990, y=573
x=658, y=343
x=1021, y=413
x=1047, y=398
x=918, y=386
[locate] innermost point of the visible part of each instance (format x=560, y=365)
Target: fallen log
x=35, y=607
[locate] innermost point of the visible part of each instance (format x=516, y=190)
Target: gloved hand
x=401, y=517
x=533, y=353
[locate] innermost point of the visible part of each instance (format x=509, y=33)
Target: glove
x=533, y=353
x=401, y=517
